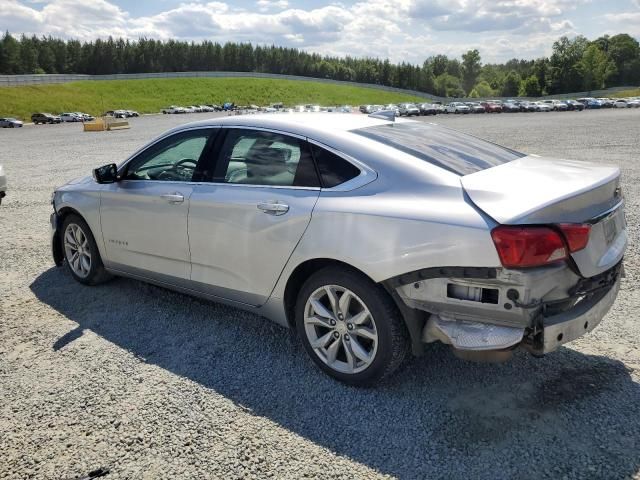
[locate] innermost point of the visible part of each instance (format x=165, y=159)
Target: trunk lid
x=535, y=190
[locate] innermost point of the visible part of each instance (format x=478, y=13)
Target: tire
x=374, y=313
x=95, y=273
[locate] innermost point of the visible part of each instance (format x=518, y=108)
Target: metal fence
x=21, y=80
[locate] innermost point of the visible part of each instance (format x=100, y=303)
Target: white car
x=543, y=107
x=621, y=103
x=206, y=108
x=70, y=117
x=174, y=109
x=457, y=107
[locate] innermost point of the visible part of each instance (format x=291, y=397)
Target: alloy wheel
x=340, y=329
x=77, y=250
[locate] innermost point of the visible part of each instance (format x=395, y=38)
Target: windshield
x=454, y=151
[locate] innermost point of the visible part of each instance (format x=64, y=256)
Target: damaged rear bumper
x=537, y=310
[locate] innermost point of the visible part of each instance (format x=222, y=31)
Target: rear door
x=245, y=223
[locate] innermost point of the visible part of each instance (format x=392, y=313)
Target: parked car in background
x=408, y=110
x=606, y=102
x=527, y=106
x=38, y=118
x=511, y=107
x=131, y=113
x=85, y=117
x=10, y=122
x=543, y=107
x=442, y=231
x=475, y=107
x=621, y=103
x=391, y=106
x=457, y=107
x=174, y=109
x=590, y=103
x=3, y=184
x=428, y=109
x=492, y=106
x=633, y=102
x=69, y=117
x=574, y=105
x=557, y=105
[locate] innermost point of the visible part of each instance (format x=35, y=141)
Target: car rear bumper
x=583, y=318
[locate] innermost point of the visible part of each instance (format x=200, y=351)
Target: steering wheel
x=184, y=161
x=179, y=170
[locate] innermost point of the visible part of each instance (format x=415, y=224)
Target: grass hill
x=150, y=95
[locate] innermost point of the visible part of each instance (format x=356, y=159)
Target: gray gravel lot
x=154, y=384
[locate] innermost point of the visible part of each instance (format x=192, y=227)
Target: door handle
x=175, y=197
x=273, y=208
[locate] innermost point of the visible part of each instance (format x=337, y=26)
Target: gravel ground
x=154, y=384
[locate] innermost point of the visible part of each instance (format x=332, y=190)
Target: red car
x=492, y=107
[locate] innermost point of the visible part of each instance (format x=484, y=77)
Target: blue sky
x=402, y=30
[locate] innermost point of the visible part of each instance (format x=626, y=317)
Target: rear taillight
x=536, y=246
x=576, y=235
x=520, y=247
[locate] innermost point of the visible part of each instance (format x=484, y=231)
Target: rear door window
x=257, y=157
x=333, y=169
x=451, y=150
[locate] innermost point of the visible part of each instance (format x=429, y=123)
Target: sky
x=401, y=30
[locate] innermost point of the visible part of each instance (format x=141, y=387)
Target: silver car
x=370, y=237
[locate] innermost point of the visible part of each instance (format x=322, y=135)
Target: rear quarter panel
x=385, y=233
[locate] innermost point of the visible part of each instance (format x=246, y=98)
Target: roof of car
x=298, y=122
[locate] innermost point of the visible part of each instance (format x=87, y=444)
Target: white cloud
x=267, y=5
x=402, y=30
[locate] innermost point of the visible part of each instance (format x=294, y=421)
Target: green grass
x=627, y=93
x=147, y=96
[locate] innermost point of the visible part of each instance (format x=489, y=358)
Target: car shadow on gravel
x=568, y=415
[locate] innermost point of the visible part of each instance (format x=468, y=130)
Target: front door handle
x=175, y=197
x=273, y=208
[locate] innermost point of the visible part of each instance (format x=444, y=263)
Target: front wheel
x=81, y=252
x=350, y=327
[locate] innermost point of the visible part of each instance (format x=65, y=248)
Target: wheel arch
x=62, y=214
x=414, y=319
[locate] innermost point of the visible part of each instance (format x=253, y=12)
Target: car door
x=245, y=223
x=144, y=215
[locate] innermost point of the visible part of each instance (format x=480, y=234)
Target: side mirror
x=106, y=173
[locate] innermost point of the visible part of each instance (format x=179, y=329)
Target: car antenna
x=384, y=115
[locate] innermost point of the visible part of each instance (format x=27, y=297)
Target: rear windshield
x=454, y=151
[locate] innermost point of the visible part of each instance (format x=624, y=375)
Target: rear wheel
x=350, y=326
x=81, y=252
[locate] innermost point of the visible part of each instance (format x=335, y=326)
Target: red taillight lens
x=528, y=246
x=576, y=235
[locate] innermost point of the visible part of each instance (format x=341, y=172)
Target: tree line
x=576, y=64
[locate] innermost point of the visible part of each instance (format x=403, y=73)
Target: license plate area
x=612, y=225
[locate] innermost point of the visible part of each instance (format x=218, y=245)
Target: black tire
x=393, y=338
x=97, y=273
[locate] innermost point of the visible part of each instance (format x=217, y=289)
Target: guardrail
x=43, y=79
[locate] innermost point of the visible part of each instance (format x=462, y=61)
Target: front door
x=246, y=222
x=144, y=215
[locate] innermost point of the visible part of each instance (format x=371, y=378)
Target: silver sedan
x=370, y=237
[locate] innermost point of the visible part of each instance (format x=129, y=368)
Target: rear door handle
x=273, y=208
x=175, y=197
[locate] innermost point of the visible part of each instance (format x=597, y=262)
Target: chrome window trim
x=367, y=174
